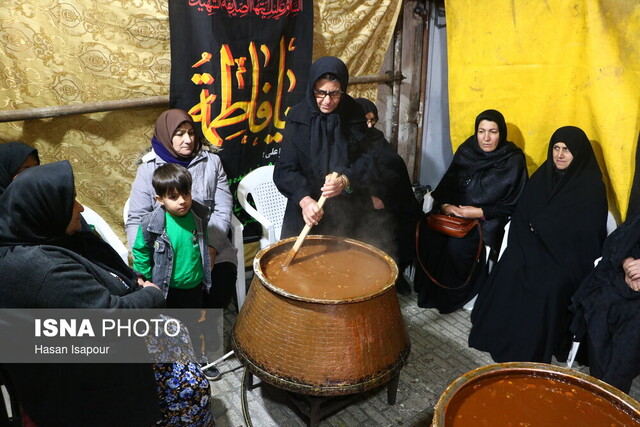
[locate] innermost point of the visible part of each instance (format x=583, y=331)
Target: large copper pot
x=526, y=393
x=316, y=332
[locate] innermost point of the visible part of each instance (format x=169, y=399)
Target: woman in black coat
x=325, y=132
x=484, y=181
x=557, y=230
x=394, y=209
x=607, y=309
x=48, y=261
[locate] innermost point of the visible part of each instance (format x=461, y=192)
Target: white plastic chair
x=105, y=231
x=469, y=305
x=238, y=243
x=269, y=204
x=611, y=223
x=125, y=211
x=505, y=237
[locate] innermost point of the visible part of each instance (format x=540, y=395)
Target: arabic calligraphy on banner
x=263, y=8
x=257, y=113
x=238, y=67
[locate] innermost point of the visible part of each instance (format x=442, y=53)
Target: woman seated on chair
x=325, y=133
x=46, y=263
x=607, y=309
x=556, y=232
x=175, y=141
x=484, y=181
x=14, y=158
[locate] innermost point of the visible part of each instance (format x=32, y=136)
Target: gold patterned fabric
x=359, y=33
x=54, y=52
x=61, y=53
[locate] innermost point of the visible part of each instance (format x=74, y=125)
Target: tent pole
x=425, y=14
x=153, y=101
x=395, y=90
x=92, y=107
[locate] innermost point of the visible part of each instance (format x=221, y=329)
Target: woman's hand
x=334, y=186
x=631, y=269
x=146, y=283
x=462, y=211
x=377, y=202
x=311, y=212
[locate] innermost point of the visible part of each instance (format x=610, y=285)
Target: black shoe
x=212, y=373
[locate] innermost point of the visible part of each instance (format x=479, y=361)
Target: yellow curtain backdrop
x=547, y=64
x=54, y=52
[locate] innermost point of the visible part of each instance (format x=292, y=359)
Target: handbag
x=455, y=227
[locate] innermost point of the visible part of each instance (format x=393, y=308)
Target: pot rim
x=597, y=386
x=291, y=240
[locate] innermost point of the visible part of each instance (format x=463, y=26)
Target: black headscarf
x=12, y=156
x=470, y=159
x=37, y=207
x=493, y=116
x=485, y=179
x=575, y=205
x=36, y=210
x=584, y=161
x=368, y=106
x=329, y=133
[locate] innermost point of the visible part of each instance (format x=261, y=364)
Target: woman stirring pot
x=325, y=133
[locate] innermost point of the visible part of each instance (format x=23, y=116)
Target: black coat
x=556, y=233
x=314, y=145
x=607, y=311
x=393, y=226
x=43, y=268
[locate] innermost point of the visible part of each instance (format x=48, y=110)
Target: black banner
x=237, y=67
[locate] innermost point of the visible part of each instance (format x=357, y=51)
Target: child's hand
x=212, y=255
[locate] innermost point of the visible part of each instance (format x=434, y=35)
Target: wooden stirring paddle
x=296, y=246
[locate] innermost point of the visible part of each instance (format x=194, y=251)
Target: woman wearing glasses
x=325, y=132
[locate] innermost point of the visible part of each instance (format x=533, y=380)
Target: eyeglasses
x=320, y=94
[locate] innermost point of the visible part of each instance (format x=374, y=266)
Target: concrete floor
x=439, y=354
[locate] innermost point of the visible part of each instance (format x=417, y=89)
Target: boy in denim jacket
x=171, y=247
